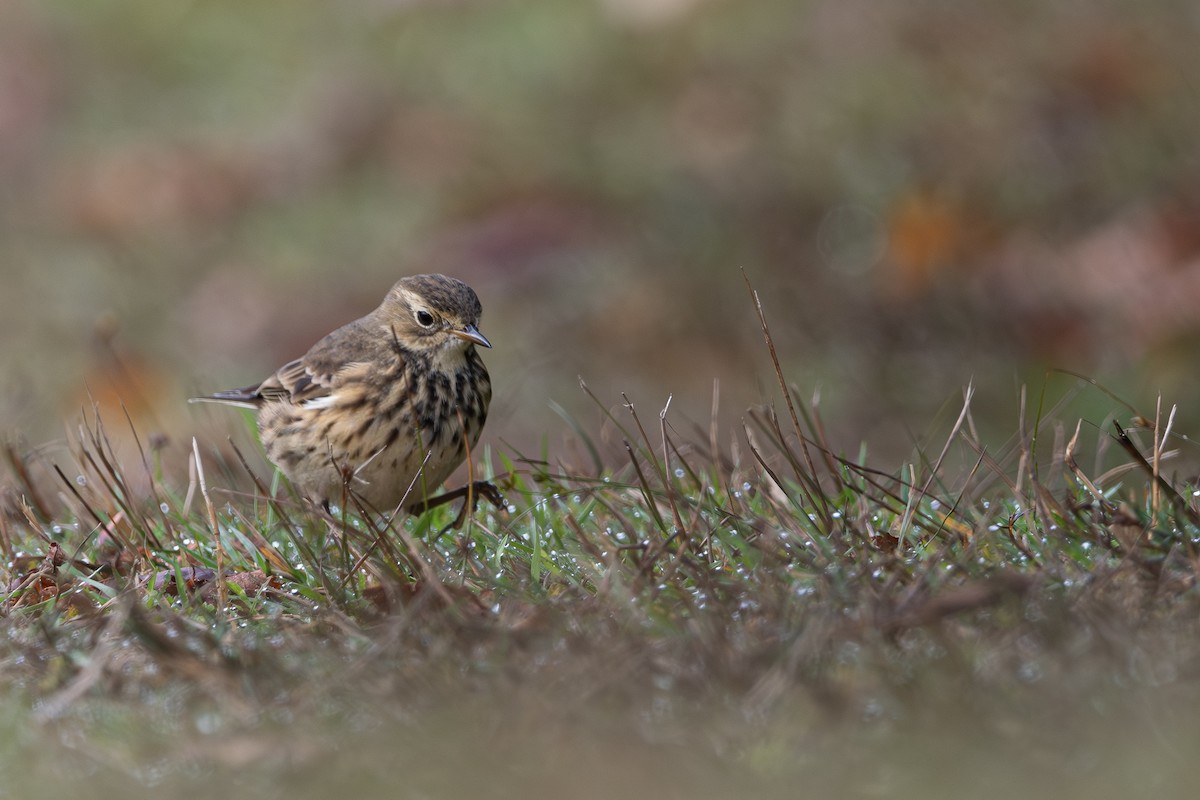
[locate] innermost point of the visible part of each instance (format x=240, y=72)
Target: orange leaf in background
x=924, y=235
x=120, y=381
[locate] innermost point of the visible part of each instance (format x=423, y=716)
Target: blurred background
x=924, y=193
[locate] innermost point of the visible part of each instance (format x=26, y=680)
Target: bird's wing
x=311, y=377
x=302, y=380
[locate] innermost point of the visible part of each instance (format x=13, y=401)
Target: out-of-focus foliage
x=926, y=193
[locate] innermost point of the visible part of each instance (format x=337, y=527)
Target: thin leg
x=476, y=490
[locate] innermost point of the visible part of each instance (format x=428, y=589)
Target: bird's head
x=431, y=313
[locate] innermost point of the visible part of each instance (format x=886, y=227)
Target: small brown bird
x=385, y=403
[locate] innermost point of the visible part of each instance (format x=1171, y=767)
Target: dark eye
x=424, y=318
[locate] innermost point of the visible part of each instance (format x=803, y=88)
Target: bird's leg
x=473, y=491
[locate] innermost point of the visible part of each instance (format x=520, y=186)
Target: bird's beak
x=472, y=334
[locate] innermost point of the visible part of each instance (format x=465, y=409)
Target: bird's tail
x=242, y=398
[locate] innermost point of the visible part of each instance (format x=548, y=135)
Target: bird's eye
x=424, y=318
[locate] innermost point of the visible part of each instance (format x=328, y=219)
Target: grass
x=713, y=611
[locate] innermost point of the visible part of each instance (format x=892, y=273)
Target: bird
x=386, y=406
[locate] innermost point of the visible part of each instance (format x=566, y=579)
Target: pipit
x=386, y=406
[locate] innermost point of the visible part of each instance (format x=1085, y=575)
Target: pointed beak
x=471, y=334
